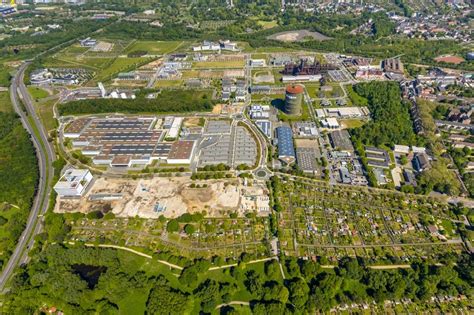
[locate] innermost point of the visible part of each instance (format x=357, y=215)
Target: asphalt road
x=45, y=157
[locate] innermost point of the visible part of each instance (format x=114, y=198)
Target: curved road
x=46, y=156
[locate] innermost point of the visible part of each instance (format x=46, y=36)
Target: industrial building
x=73, y=183
x=259, y=111
x=293, y=99
x=265, y=126
x=175, y=128
x=212, y=46
x=286, y=149
x=305, y=129
x=181, y=152
x=343, y=112
x=88, y=42
x=306, y=69
x=377, y=157
x=421, y=162
x=120, y=141
x=330, y=123
x=341, y=140
x=306, y=159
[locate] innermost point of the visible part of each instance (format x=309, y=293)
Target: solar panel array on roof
x=285, y=142
x=129, y=136
x=132, y=149
x=127, y=124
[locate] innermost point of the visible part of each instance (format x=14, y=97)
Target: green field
x=73, y=62
x=4, y=76
x=155, y=47
x=168, y=83
x=46, y=114
x=119, y=65
x=352, y=123
x=5, y=105
x=37, y=93
x=267, y=24
x=219, y=64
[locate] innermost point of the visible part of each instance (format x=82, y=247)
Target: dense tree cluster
x=391, y=123
x=19, y=178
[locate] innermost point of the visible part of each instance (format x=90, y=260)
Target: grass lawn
x=268, y=24
x=37, y=93
x=4, y=76
x=259, y=56
x=74, y=49
x=188, y=74
x=135, y=301
x=352, y=123
x=45, y=111
x=277, y=75
x=155, y=47
x=5, y=104
x=168, y=83
x=313, y=89
x=219, y=64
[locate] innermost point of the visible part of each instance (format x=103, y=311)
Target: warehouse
x=181, y=152
x=131, y=140
x=286, y=150
x=306, y=159
x=265, y=126
x=305, y=129
x=343, y=112
x=341, y=140
x=377, y=157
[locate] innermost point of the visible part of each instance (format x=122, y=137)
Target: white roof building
x=330, y=122
x=401, y=149
x=73, y=183
x=418, y=149
x=175, y=128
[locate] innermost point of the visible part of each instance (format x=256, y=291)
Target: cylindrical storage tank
x=293, y=99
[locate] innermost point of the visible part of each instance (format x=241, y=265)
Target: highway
x=45, y=155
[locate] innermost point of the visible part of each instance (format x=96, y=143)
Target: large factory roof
x=285, y=142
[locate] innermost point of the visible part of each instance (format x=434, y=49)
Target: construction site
x=170, y=197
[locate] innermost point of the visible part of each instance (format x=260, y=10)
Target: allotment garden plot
x=335, y=221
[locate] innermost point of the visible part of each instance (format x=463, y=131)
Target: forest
x=391, y=123
x=83, y=280
x=167, y=101
x=19, y=174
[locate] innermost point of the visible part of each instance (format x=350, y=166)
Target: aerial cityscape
x=236, y=157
